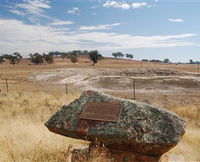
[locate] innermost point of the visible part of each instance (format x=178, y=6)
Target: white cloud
x=35, y=7
x=33, y=19
x=33, y=10
x=18, y=36
x=61, y=22
x=116, y=4
x=17, y=12
x=124, y=5
x=176, y=20
x=139, y=5
x=94, y=7
x=74, y=11
x=99, y=27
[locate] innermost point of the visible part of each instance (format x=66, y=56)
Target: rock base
x=123, y=156
x=122, y=124
x=103, y=154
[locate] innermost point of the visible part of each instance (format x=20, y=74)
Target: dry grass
x=27, y=105
x=23, y=136
x=189, y=147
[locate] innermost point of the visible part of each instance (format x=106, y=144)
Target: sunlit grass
x=23, y=136
x=27, y=106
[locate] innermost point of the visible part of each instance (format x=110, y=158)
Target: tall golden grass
x=189, y=147
x=27, y=106
x=23, y=136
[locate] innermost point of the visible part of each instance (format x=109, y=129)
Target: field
x=37, y=92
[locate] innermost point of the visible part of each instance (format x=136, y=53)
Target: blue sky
x=152, y=29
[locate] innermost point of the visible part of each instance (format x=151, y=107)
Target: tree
x=1, y=59
x=191, y=62
x=85, y=52
x=74, y=59
x=115, y=54
x=36, y=58
x=118, y=54
x=146, y=60
x=95, y=56
x=14, y=58
x=129, y=56
x=76, y=52
x=48, y=58
x=155, y=60
x=166, y=60
x=55, y=53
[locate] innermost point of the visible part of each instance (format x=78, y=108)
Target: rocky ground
x=117, y=80
x=37, y=92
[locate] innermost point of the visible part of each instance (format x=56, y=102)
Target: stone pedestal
x=125, y=156
x=103, y=154
x=130, y=130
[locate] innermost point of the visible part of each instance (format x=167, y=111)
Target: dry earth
x=36, y=92
x=148, y=80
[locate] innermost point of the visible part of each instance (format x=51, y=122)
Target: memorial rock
x=119, y=124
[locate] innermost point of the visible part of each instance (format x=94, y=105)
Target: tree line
x=120, y=54
x=194, y=62
x=69, y=54
x=38, y=59
x=13, y=59
x=166, y=60
x=93, y=55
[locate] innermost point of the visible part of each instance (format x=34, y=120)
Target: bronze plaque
x=101, y=111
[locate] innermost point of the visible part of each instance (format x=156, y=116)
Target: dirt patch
x=121, y=79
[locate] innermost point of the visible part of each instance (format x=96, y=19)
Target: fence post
x=7, y=84
x=198, y=113
x=134, y=89
x=66, y=89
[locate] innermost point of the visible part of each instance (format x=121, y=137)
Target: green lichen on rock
x=141, y=127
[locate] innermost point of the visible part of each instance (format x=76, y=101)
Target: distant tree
x=76, y=52
x=118, y=54
x=65, y=54
x=1, y=59
x=74, y=59
x=191, y=62
x=130, y=56
x=155, y=61
x=114, y=54
x=95, y=56
x=14, y=58
x=145, y=60
x=48, y=58
x=55, y=53
x=85, y=52
x=68, y=54
x=166, y=60
x=36, y=58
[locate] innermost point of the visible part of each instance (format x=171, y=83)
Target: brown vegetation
x=27, y=105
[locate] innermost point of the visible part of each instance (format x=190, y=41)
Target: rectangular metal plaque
x=101, y=111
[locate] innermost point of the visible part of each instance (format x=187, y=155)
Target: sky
x=148, y=29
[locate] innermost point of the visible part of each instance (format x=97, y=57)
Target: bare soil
x=147, y=80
